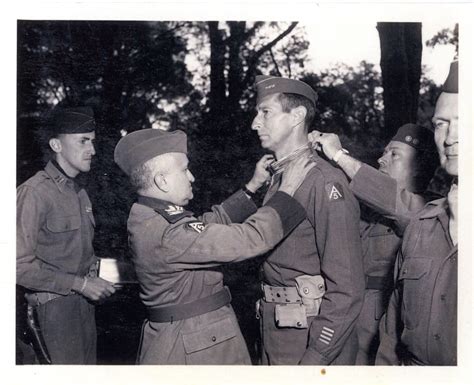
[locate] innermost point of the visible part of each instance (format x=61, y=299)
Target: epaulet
x=173, y=213
x=37, y=179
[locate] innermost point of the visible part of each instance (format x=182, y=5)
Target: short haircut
x=289, y=101
x=142, y=176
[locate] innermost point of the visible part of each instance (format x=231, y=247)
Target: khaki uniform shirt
x=55, y=229
x=422, y=314
x=177, y=258
x=326, y=243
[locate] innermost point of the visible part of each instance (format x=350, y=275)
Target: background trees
x=198, y=76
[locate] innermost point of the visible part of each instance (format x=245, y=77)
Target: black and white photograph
x=244, y=193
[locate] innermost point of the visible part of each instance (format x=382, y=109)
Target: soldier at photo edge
x=177, y=256
x=420, y=326
x=56, y=264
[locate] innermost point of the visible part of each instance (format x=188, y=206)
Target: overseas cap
x=420, y=138
x=77, y=120
x=267, y=85
x=451, y=84
x=139, y=146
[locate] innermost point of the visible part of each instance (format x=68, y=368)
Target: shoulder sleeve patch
x=196, y=226
x=334, y=191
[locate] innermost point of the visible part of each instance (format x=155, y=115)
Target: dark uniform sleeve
x=31, y=272
x=336, y=219
x=381, y=193
x=391, y=324
x=234, y=209
x=191, y=244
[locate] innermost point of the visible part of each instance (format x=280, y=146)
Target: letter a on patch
x=334, y=191
x=196, y=226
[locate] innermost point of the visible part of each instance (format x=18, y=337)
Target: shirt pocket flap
x=209, y=336
x=415, y=268
x=380, y=230
x=62, y=224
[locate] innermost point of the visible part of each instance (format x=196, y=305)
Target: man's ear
x=160, y=182
x=55, y=145
x=299, y=114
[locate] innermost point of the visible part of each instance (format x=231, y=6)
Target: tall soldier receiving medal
x=55, y=258
x=313, y=280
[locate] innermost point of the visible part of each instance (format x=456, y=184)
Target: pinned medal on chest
x=334, y=192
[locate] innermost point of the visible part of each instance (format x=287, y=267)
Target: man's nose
x=452, y=136
x=256, y=124
x=92, y=149
x=382, y=161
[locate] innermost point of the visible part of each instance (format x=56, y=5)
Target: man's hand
x=97, y=288
x=329, y=144
x=261, y=174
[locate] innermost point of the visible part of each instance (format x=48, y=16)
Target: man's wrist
x=338, y=154
x=248, y=191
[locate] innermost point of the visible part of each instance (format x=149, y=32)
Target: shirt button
x=213, y=338
x=443, y=297
x=389, y=230
x=298, y=323
x=306, y=290
x=437, y=336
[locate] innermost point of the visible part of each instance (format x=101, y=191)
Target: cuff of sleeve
x=290, y=211
x=238, y=207
x=312, y=357
x=77, y=284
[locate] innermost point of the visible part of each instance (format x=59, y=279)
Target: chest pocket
x=63, y=224
x=383, y=245
x=413, y=274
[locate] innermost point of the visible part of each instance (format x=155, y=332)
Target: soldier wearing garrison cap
x=55, y=258
x=390, y=196
x=313, y=281
x=420, y=326
x=176, y=255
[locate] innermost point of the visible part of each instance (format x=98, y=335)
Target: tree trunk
x=217, y=95
x=401, y=49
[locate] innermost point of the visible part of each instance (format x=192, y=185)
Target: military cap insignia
x=198, y=227
x=174, y=210
x=334, y=191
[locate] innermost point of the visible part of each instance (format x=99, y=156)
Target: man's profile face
x=75, y=151
x=398, y=161
x=445, y=122
x=272, y=124
x=178, y=179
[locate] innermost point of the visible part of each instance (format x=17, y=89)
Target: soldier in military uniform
x=176, y=255
x=395, y=192
x=313, y=281
x=55, y=228
x=420, y=326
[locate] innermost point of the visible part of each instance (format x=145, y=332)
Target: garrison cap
x=77, y=120
x=140, y=146
x=418, y=137
x=451, y=84
x=267, y=85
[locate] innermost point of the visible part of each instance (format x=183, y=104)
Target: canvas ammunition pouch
x=295, y=304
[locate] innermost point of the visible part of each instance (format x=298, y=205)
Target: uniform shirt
x=55, y=229
x=175, y=254
x=423, y=308
x=326, y=243
x=392, y=208
x=177, y=258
